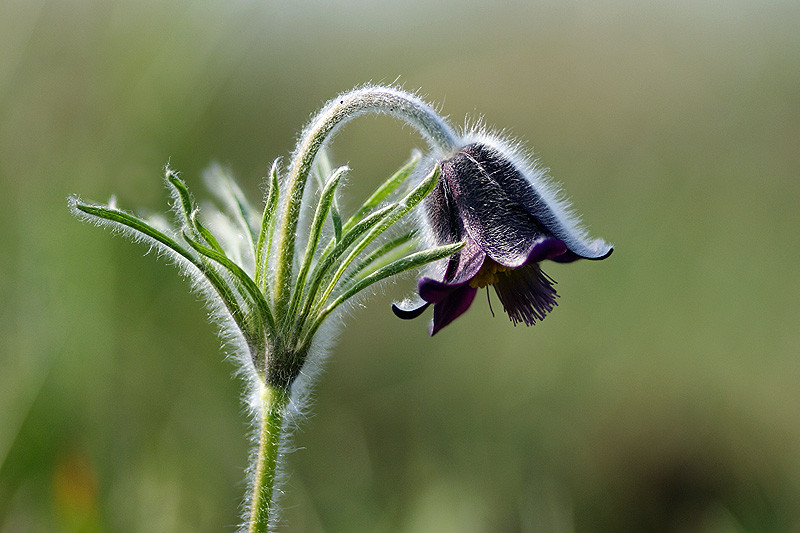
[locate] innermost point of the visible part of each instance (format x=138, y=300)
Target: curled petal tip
x=606, y=250
x=407, y=313
x=598, y=250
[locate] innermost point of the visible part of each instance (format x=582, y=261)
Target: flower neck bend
x=369, y=100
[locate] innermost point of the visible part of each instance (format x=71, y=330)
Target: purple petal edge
x=547, y=248
x=434, y=291
x=452, y=307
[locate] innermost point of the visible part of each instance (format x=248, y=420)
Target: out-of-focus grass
x=661, y=395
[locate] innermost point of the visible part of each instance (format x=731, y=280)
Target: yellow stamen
x=487, y=275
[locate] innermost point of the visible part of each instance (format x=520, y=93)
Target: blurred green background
x=663, y=394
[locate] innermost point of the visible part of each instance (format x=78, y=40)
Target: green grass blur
x=663, y=394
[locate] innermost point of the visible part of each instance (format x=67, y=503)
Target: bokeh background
x=663, y=394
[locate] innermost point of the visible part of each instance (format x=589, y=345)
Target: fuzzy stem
x=378, y=100
x=273, y=404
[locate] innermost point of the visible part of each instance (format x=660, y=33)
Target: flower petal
x=461, y=268
x=517, y=189
x=547, y=248
x=442, y=215
x=452, y=306
x=496, y=222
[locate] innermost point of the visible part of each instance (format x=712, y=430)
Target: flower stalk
x=274, y=402
x=376, y=100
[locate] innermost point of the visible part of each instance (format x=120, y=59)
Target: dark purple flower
x=511, y=220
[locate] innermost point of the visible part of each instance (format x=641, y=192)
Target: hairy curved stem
x=262, y=509
x=378, y=100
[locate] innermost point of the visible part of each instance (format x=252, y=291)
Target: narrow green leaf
x=409, y=262
x=126, y=220
x=336, y=219
x=323, y=206
x=130, y=221
x=237, y=205
x=239, y=275
x=418, y=193
x=381, y=252
x=328, y=259
x=322, y=166
x=264, y=246
x=384, y=190
x=410, y=201
x=380, y=194
x=189, y=210
x=323, y=172
x=205, y=233
x=182, y=194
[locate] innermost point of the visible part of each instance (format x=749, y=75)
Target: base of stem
x=274, y=401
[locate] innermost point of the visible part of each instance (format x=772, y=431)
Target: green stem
x=379, y=100
x=273, y=403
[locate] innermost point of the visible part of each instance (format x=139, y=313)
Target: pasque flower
x=276, y=278
x=511, y=220
x=272, y=281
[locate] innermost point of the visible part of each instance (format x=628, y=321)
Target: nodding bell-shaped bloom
x=511, y=221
